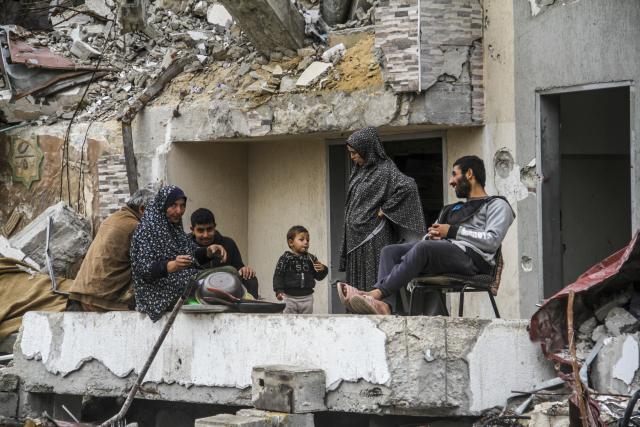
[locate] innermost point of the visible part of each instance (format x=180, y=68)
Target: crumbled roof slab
x=373, y=364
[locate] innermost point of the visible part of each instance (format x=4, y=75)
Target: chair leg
x=493, y=303
x=443, y=299
x=461, y=305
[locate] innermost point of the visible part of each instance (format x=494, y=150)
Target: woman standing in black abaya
x=383, y=205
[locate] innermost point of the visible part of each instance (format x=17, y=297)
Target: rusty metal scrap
x=37, y=71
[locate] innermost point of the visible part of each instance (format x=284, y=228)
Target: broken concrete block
x=288, y=84
x=9, y=382
x=358, y=5
x=334, y=54
x=83, y=50
x=550, y=414
x=270, y=24
x=200, y=8
x=218, y=15
x=278, y=419
x=197, y=36
x=599, y=332
x=313, y=73
x=306, y=51
x=70, y=237
x=616, y=365
x=228, y=420
x=99, y=7
x=619, y=320
x=9, y=252
x=8, y=404
x=614, y=301
x=588, y=326
x=335, y=11
x=290, y=389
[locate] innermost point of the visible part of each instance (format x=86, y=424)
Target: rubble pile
x=226, y=62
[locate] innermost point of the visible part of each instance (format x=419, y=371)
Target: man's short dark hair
x=474, y=163
x=294, y=231
x=202, y=216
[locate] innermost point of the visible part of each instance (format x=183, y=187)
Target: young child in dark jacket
x=296, y=273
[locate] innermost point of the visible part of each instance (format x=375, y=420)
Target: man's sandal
x=365, y=304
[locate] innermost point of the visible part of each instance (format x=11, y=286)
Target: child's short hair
x=294, y=231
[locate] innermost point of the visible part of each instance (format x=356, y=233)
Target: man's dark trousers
x=399, y=264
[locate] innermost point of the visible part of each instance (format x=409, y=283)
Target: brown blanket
x=104, y=280
x=21, y=292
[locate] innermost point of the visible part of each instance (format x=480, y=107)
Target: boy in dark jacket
x=296, y=273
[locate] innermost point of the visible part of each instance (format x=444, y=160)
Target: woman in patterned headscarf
x=382, y=206
x=163, y=257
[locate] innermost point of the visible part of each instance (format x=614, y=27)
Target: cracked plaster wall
x=398, y=365
x=101, y=139
x=563, y=45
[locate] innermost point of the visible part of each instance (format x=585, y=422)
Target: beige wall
x=498, y=133
x=214, y=176
x=287, y=186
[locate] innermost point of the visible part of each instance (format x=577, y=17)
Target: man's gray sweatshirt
x=485, y=230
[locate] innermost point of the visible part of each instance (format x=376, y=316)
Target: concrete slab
x=373, y=364
x=70, y=237
x=270, y=24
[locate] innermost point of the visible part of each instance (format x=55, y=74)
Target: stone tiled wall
x=397, y=36
x=448, y=48
x=451, y=45
x=113, y=187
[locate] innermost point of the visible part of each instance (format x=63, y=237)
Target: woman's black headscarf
x=156, y=239
x=378, y=184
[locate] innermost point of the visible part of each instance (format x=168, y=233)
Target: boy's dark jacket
x=295, y=274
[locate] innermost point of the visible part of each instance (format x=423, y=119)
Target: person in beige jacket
x=103, y=282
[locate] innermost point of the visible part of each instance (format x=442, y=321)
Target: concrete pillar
x=270, y=24
x=335, y=11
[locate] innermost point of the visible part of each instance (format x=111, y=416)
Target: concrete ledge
x=373, y=364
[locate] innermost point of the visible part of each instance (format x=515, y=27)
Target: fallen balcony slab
x=427, y=366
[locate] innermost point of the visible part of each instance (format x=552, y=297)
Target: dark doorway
x=419, y=158
x=586, y=190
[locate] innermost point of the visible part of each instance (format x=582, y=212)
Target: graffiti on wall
x=25, y=158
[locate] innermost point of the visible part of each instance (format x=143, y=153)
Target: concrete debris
x=69, y=241
x=334, y=54
x=619, y=320
x=83, y=50
x=615, y=367
x=259, y=18
x=616, y=300
x=290, y=389
x=7, y=251
x=313, y=73
x=218, y=15
x=149, y=36
x=550, y=414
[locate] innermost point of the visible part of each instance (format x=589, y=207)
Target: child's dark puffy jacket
x=295, y=274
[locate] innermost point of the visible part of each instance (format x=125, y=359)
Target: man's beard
x=463, y=188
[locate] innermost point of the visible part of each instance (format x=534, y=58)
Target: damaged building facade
x=257, y=133
x=252, y=124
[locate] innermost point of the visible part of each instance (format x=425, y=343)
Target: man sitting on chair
x=463, y=241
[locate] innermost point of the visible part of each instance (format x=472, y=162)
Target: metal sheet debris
x=548, y=324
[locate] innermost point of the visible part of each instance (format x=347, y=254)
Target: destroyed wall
x=435, y=47
x=561, y=45
x=32, y=169
x=431, y=366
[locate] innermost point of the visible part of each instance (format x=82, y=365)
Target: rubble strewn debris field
x=99, y=39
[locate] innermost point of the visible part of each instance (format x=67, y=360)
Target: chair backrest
x=497, y=272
